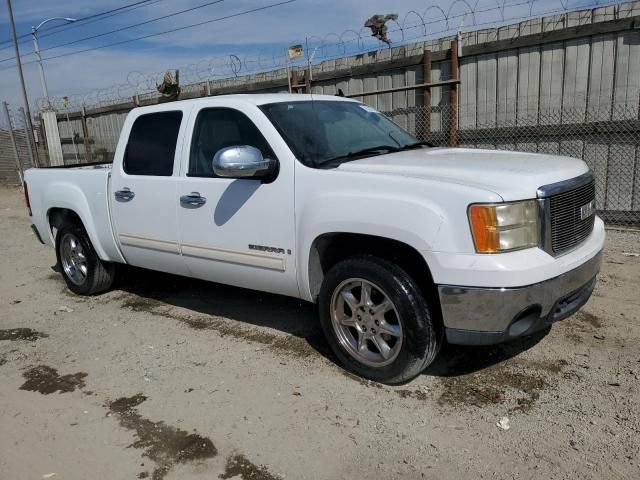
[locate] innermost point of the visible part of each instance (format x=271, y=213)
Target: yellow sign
x=295, y=51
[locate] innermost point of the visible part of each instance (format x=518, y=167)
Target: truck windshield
x=326, y=133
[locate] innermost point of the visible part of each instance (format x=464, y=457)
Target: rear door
x=143, y=190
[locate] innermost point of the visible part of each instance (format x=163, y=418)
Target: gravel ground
x=166, y=377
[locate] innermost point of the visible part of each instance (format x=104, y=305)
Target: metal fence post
x=85, y=135
x=453, y=96
x=426, y=78
x=13, y=142
x=73, y=140
x=34, y=162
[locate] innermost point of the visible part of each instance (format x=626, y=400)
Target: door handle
x=193, y=200
x=124, y=195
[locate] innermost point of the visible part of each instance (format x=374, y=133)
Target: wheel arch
x=57, y=216
x=328, y=249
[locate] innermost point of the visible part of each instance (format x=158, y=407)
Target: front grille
x=567, y=228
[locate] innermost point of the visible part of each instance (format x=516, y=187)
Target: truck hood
x=511, y=175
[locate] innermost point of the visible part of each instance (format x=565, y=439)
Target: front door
x=236, y=231
x=143, y=191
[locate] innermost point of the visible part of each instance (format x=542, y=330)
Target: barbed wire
x=413, y=26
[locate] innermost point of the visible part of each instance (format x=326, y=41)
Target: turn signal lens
x=502, y=227
x=484, y=226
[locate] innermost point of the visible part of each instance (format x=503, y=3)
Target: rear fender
x=95, y=218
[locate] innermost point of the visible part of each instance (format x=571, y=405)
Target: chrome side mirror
x=241, y=161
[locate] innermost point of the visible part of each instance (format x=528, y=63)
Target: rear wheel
x=377, y=321
x=82, y=270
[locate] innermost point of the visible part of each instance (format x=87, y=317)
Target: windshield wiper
x=411, y=146
x=362, y=152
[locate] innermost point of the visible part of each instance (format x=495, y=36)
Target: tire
x=82, y=270
x=413, y=339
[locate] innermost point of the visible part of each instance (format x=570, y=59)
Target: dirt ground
x=170, y=378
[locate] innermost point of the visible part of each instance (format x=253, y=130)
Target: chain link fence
x=607, y=138
x=13, y=139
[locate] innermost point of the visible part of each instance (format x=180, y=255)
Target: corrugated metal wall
x=510, y=77
x=592, y=75
x=512, y=86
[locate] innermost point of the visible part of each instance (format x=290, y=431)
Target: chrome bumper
x=482, y=316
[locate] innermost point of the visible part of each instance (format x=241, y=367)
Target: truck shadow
x=456, y=360
x=201, y=298
x=288, y=315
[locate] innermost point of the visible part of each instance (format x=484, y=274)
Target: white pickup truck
x=323, y=198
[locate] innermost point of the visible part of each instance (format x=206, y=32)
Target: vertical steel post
x=85, y=135
x=36, y=49
x=34, y=162
x=426, y=74
x=453, y=96
x=13, y=142
x=286, y=64
x=307, y=81
x=73, y=140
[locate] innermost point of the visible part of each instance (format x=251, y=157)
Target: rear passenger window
x=152, y=144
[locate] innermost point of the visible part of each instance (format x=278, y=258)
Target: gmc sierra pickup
x=402, y=244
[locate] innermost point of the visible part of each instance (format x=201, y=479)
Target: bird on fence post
x=378, y=26
x=170, y=86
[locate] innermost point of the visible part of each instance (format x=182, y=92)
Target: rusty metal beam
x=402, y=89
x=453, y=96
x=426, y=76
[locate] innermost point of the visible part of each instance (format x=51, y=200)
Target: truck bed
x=83, y=189
x=82, y=166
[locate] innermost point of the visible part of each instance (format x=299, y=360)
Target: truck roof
x=252, y=98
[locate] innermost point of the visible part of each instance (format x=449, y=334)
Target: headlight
x=502, y=227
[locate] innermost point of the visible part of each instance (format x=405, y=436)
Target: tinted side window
x=152, y=144
x=218, y=128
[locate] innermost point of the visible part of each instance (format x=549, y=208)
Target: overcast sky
x=268, y=32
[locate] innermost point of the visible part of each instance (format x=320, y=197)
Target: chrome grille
x=568, y=229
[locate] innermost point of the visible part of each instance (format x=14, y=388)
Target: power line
x=94, y=17
x=253, y=10
x=146, y=3
x=73, y=42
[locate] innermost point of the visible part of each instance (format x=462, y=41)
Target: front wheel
x=377, y=321
x=82, y=270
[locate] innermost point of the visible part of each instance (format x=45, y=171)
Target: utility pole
x=36, y=49
x=24, y=89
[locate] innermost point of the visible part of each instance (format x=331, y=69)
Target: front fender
x=428, y=215
x=411, y=221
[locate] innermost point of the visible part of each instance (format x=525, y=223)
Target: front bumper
x=484, y=316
